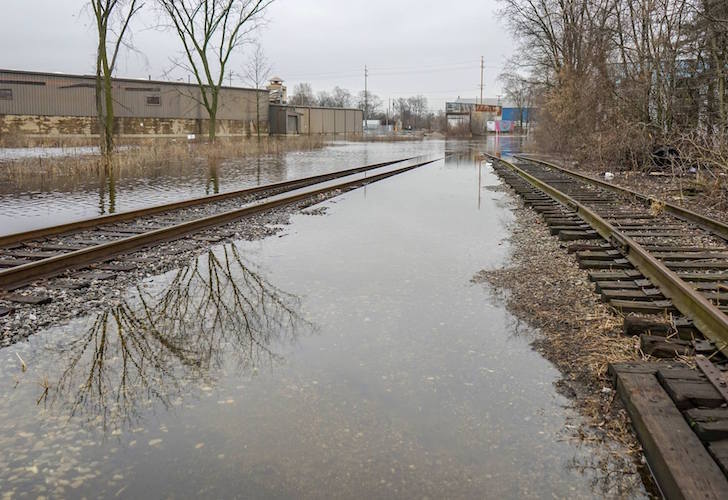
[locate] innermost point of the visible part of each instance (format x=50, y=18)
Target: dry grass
x=139, y=155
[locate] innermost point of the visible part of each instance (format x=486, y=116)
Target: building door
x=292, y=127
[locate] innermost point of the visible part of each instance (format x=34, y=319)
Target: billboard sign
x=488, y=108
x=455, y=108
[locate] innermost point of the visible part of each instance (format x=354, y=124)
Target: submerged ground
x=349, y=356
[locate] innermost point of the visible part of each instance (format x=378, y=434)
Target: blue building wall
x=514, y=114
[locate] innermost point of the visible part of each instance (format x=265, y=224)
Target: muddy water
x=32, y=202
x=348, y=357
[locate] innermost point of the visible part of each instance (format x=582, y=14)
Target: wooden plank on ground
x=663, y=347
x=689, y=388
x=614, y=369
x=702, y=277
x=719, y=450
x=605, y=264
x=635, y=325
x=680, y=463
x=642, y=306
x=615, y=275
x=632, y=294
x=578, y=235
x=710, y=424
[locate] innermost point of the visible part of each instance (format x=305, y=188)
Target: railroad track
x=652, y=261
x=47, y=252
x=648, y=259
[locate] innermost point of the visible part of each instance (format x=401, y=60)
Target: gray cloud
x=411, y=47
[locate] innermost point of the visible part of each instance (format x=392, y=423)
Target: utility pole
x=481, y=79
x=366, y=97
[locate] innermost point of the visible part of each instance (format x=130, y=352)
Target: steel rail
x=25, y=273
x=707, y=317
x=714, y=226
x=75, y=226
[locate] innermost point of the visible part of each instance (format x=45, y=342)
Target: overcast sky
x=410, y=46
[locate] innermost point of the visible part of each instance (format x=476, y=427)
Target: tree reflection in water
x=148, y=349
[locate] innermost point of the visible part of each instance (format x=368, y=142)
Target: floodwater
x=38, y=201
x=350, y=356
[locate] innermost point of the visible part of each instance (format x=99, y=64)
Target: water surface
x=350, y=356
x=33, y=201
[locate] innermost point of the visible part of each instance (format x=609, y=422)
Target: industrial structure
x=277, y=91
x=487, y=115
x=289, y=119
x=37, y=104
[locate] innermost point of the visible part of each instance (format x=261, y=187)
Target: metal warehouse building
x=315, y=120
x=53, y=104
x=58, y=105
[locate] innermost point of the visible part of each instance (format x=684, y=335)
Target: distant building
x=376, y=127
x=277, y=91
x=310, y=120
x=59, y=105
x=488, y=115
x=35, y=104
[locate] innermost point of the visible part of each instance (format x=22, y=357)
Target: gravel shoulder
x=543, y=286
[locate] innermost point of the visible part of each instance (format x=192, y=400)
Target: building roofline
x=117, y=79
x=313, y=107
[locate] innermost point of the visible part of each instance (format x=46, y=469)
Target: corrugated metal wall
x=317, y=120
x=314, y=120
x=48, y=94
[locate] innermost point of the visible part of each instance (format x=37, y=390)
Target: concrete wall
x=316, y=120
x=82, y=126
x=52, y=104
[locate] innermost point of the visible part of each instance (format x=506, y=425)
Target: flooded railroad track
x=46, y=252
x=665, y=269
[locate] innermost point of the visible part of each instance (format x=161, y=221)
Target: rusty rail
x=142, y=212
x=25, y=273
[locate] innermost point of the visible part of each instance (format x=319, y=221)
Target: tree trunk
x=257, y=113
x=109, y=114
x=100, y=105
x=104, y=99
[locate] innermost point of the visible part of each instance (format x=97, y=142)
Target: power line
x=391, y=71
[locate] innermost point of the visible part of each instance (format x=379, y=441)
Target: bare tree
x=341, y=98
x=112, y=23
x=625, y=78
x=303, y=95
x=519, y=91
x=372, y=102
x=210, y=31
x=418, y=109
x=324, y=99
x=257, y=72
